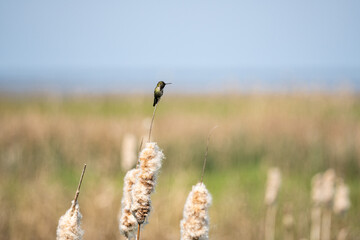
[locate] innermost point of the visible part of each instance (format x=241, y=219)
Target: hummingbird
x=158, y=91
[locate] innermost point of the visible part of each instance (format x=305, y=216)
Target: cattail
x=128, y=223
x=316, y=195
x=341, y=198
x=328, y=185
x=341, y=204
x=272, y=186
x=128, y=152
x=272, y=190
x=195, y=222
x=69, y=227
x=150, y=163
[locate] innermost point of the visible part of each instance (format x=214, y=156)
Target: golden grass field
x=45, y=140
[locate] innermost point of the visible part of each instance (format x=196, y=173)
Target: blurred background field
x=45, y=140
x=280, y=78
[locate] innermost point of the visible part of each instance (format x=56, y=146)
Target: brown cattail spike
x=79, y=186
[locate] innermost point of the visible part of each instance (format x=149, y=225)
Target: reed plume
x=150, y=163
x=272, y=189
x=127, y=222
x=69, y=227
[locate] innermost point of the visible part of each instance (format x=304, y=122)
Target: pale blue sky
x=85, y=34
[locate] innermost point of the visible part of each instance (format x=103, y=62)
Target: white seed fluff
x=69, y=224
x=127, y=222
x=150, y=163
x=195, y=222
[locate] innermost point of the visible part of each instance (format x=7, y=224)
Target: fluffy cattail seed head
x=128, y=158
x=128, y=223
x=69, y=224
x=150, y=163
x=341, y=198
x=323, y=188
x=328, y=186
x=195, y=222
x=272, y=186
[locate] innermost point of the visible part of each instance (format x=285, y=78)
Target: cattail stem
x=69, y=226
x=326, y=224
x=138, y=232
x=342, y=234
x=152, y=120
x=315, y=223
x=79, y=186
x=270, y=222
x=206, y=153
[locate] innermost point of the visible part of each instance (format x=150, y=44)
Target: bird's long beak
x=168, y=83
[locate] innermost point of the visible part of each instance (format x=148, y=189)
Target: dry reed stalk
x=316, y=196
x=288, y=223
x=315, y=231
x=272, y=189
x=328, y=185
x=128, y=158
x=195, y=222
x=150, y=163
x=127, y=222
x=341, y=204
x=342, y=234
x=69, y=227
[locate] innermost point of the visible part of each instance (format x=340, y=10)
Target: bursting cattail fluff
x=272, y=186
x=341, y=198
x=195, y=222
x=69, y=224
x=150, y=163
x=128, y=223
x=128, y=158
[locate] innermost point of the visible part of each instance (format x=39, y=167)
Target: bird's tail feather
x=155, y=101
